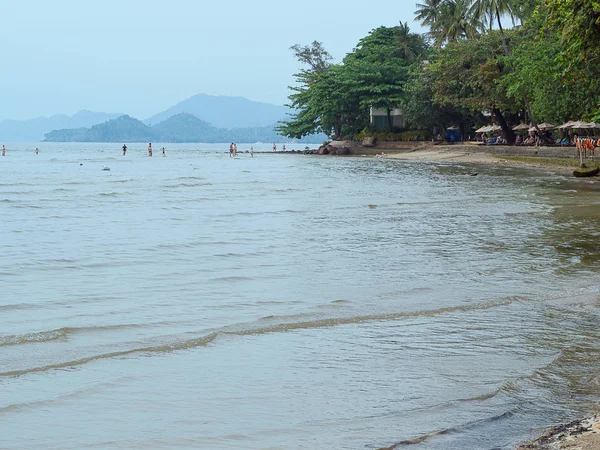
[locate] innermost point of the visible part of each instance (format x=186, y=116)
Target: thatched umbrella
x=521, y=126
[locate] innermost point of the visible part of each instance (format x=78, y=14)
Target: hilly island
x=200, y=118
x=182, y=127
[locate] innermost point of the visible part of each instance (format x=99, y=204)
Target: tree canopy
x=514, y=60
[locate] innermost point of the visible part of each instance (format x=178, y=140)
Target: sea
x=291, y=301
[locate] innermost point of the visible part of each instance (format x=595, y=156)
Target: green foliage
x=336, y=99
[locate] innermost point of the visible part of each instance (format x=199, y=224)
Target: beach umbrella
x=568, y=124
x=483, y=129
x=546, y=126
x=496, y=128
x=521, y=126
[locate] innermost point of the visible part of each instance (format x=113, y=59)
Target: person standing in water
x=3, y=150
x=231, y=150
x=150, y=149
x=251, y=152
x=283, y=148
x=124, y=149
x=37, y=150
x=234, y=149
x=274, y=148
x=163, y=151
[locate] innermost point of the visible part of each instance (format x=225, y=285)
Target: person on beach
x=150, y=149
x=124, y=149
x=3, y=150
x=37, y=150
x=163, y=151
x=234, y=150
x=274, y=148
x=231, y=150
x=251, y=152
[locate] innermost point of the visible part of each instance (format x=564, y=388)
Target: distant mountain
x=181, y=127
x=225, y=112
x=34, y=130
x=121, y=129
x=184, y=127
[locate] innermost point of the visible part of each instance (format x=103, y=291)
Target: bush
x=412, y=135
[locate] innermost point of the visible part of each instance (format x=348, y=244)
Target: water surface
x=290, y=301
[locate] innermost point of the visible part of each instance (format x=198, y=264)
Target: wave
x=43, y=336
x=62, y=333
x=283, y=324
x=446, y=431
x=167, y=348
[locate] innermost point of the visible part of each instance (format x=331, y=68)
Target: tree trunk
x=504, y=47
x=507, y=131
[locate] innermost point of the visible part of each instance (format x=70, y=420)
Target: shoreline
x=582, y=434
x=562, y=160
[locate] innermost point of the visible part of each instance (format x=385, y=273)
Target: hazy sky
x=142, y=56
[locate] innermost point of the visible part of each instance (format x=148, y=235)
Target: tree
x=379, y=64
x=314, y=55
x=468, y=74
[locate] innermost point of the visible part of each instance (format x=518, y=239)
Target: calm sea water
x=290, y=301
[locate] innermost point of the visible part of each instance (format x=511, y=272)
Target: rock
x=343, y=151
x=369, y=141
x=323, y=151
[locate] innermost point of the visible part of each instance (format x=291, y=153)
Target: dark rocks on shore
x=369, y=141
x=328, y=149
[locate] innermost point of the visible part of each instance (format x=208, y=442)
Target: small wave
x=62, y=333
x=175, y=186
x=167, y=348
x=109, y=194
x=43, y=336
x=336, y=321
x=231, y=279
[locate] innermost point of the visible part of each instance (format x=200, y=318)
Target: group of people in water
x=233, y=150
x=37, y=150
x=164, y=150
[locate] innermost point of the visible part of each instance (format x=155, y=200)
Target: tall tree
x=469, y=74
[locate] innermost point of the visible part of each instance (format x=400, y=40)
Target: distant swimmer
x=251, y=152
x=3, y=150
x=150, y=149
x=124, y=149
x=163, y=151
x=231, y=150
x=37, y=150
x=274, y=148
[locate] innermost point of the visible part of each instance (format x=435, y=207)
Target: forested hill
x=181, y=127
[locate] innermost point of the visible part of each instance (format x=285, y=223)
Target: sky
x=140, y=57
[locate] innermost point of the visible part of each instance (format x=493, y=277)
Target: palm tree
x=410, y=45
x=482, y=9
x=457, y=22
x=428, y=12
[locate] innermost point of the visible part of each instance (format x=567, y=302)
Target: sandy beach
x=560, y=160
x=578, y=435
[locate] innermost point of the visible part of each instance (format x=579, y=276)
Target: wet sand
x=578, y=435
x=473, y=154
